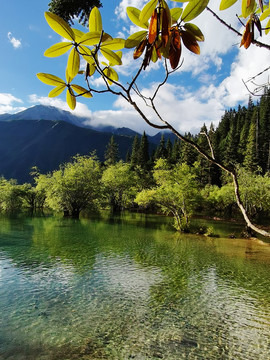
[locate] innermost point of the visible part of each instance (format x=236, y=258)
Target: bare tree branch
x=255, y=42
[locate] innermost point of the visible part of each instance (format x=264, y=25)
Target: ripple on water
x=119, y=299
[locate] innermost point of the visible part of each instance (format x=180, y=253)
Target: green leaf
x=71, y=100
x=193, y=9
x=92, y=70
x=114, y=44
x=113, y=58
x=195, y=31
x=225, y=4
x=95, y=20
x=57, y=91
x=134, y=39
x=147, y=10
x=111, y=74
x=68, y=77
x=154, y=56
x=265, y=14
x=119, y=54
x=90, y=38
x=175, y=14
x=60, y=26
x=49, y=79
x=81, y=91
x=58, y=49
x=73, y=64
x=86, y=54
x=134, y=15
x=267, y=27
x=247, y=10
x=93, y=38
x=78, y=34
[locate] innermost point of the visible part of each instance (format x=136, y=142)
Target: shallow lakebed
x=130, y=288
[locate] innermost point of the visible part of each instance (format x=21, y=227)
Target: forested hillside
x=128, y=173
x=241, y=138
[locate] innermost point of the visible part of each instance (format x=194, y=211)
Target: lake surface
x=130, y=288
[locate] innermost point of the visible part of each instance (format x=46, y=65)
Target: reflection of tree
x=143, y=290
x=73, y=242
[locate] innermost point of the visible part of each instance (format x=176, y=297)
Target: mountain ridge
x=27, y=140
x=48, y=112
x=47, y=144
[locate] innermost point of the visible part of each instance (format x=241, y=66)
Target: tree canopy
x=72, y=188
x=68, y=9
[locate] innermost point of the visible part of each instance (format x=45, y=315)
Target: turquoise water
x=130, y=288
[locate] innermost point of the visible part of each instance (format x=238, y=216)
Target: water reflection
x=105, y=290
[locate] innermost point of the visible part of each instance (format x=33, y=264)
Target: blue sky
x=197, y=93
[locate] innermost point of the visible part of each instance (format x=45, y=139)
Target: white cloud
x=216, y=75
x=7, y=104
x=247, y=64
x=184, y=110
x=81, y=109
x=120, y=10
x=16, y=43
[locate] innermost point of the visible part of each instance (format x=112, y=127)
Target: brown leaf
x=175, y=48
x=175, y=38
x=247, y=37
x=174, y=57
x=153, y=27
x=158, y=52
x=165, y=28
x=190, y=42
x=139, y=49
x=257, y=22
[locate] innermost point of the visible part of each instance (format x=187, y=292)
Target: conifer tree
x=176, y=151
x=222, y=132
x=232, y=141
x=188, y=154
x=251, y=155
x=128, y=156
x=143, y=152
x=134, y=151
x=202, y=163
x=264, y=131
x=215, y=172
x=245, y=130
x=161, y=152
x=111, y=153
x=169, y=150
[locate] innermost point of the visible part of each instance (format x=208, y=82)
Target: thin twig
x=255, y=42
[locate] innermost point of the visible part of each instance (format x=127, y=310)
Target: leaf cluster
x=164, y=33
x=166, y=30
x=82, y=45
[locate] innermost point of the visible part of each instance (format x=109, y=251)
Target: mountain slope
x=46, y=144
x=41, y=112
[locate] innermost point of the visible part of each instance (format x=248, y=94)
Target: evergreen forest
x=174, y=179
